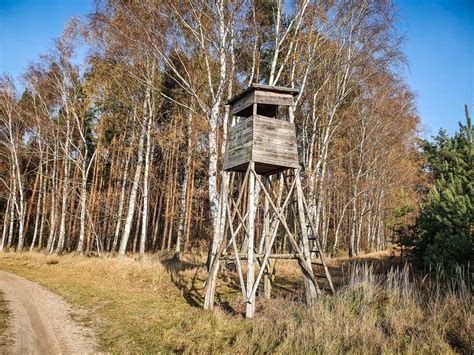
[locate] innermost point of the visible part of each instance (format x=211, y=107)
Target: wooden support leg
x=250, y=305
x=267, y=282
x=311, y=288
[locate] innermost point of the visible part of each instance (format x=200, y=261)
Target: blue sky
x=28, y=28
x=439, y=46
x=440, y=50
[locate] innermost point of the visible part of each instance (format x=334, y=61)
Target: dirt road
x=41, y=321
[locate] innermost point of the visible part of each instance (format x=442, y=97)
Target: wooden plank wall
x=274, y=142
x=273, y=98
x=238, y=149
x=262, y=140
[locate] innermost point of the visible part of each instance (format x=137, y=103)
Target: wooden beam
x=250, y=304
x=270, y=256
x=267, y=282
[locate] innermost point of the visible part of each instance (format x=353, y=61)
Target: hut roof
x=262, y=87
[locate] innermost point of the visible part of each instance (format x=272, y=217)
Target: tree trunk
x=184, y=188
x=5, y=223
x=133, y=195
x=38, y=204
x=52, y=219
x=121, y=203
x=145, y=185
x=83, y=204
x=62, y=223
x=212, y=182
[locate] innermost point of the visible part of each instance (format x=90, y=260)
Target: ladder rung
x=316, y=263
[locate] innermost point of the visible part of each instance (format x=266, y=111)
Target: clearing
x=154, y=306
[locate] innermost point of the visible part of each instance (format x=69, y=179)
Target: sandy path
x=41, y=322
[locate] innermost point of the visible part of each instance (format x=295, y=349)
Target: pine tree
x=446, y=219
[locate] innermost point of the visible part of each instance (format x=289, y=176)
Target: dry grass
x=4, y=321
x=154, y=306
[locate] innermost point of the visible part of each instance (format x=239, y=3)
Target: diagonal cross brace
x=272, y=240
x=294, y=244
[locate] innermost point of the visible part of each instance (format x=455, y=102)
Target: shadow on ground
x=180, y=270
x=189, y=276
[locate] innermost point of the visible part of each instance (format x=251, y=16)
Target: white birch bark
x=83, y=206
x=38, y=203
x=12, y=216
x=6, y=226
x=21, y=207
x=65, y=190
x=149, y=121
x=212, y=178
x=13, y=142
x=43, y=207
x=213, y=120
x=121, y=203
x=133, y=195
x=52, y=218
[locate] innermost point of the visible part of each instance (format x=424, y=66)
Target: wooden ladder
x=316, y=251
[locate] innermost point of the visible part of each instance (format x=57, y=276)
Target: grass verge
x=4, y=322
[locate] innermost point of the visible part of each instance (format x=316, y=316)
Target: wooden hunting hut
x=262, y=133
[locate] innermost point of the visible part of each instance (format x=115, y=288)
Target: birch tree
x=12, y=138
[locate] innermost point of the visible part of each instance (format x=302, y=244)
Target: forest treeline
x=115, y=141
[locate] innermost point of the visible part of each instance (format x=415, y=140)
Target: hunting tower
x=261, y=159
x=260, y=135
